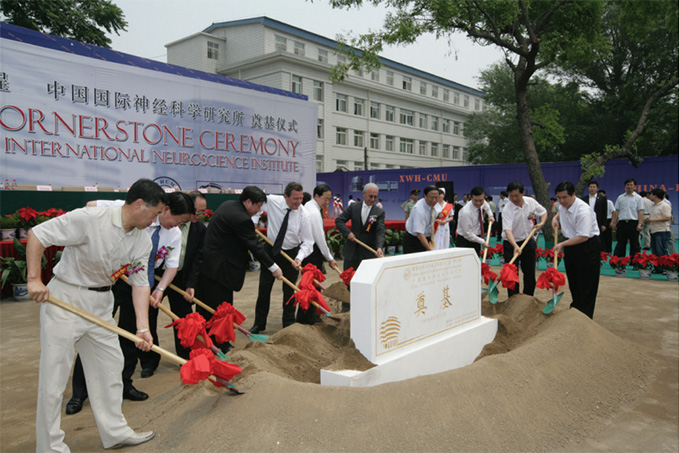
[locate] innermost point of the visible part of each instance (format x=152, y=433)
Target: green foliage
x=81, y=20
x=8, y=222
x=335, y=241
x=393, y=237
x=14, y=269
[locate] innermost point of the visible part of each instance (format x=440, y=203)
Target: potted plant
x=644, y=263
x=14, y=270
x=671, y=264
x=391, y=238
x=335, y=241
x=28, y=218
x=205, y=218
x=619, y=265
x=8, y=226
x=604, y=259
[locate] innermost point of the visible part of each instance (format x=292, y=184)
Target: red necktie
x=481, y=223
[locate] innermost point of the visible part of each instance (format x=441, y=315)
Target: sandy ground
x=547, y=383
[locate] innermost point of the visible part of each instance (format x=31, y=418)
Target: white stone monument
x=414, y=315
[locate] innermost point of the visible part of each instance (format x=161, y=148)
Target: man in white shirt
x=645, y=238
x=582, y=249
x=520, y=216
x=420, y=223
x=628, y=220
x=502, y=202
x=321, y=198
x=470, y=229
x=295, y=239
x=98, y=243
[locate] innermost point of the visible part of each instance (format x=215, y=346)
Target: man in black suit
x=367, y=225
x=229, y=237
x=193, y=234
x=599, y=204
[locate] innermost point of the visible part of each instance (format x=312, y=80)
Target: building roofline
x=295, y=31
x=185, y=38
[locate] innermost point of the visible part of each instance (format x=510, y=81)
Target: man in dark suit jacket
x=599, y=204
x=229, y=237
x=370, y=231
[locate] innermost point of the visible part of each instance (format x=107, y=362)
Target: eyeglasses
x=371, y=196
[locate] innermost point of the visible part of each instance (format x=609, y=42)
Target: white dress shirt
x=317, y=229
x=299, y=230
x=468, y=222
x=516, y=219
x=628, y=206
x=420, y=217
x=578, y=220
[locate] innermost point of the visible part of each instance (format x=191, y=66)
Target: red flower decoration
x=27, y=214
x=644, y=261
x=509, y=276
x=605, y=256
x=347, y=275
x=52, y=212
x=308, y=294
x=188, y=328
x=202, y=364
x=309, y=273
x=487, y=273
x=221, y=323
x=618, y=263
x=551, y=278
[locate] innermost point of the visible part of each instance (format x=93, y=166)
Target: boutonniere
x=162, y=252
x=371, y=219
x=533, y=217
x=128, y=269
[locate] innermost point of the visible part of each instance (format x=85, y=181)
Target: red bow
x=188, y=328
x=221, y=324
x=309, y=273
x=487, y=273
x=203, y=364
x=347, y=275
x=308, y=294
x=509, y=276
x=551, y=278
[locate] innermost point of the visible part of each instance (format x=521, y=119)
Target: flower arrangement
x=669, y=262
x=533, y=217
x=206, y=216
x=27, y=217
x=371, y=219
x=604, y=258
x=618, y=263
x=644, y=261
x=163, y=252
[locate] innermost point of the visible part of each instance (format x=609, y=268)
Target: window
x=477, y=104
x=446, y=95
x=423, y=121
x=374, y=166
x=375, y=76
x=423, y=87
x=341, y=103
x=446, y=151
x=390, y=166
x=296, y=84
x=323, y=55
x=299, y=48
x=359, y=72
x=319, y=165
x=343, y=163
x=456, y=152
x=406, y=117
x=406, y=145
x=456, y=98
x=318, y=91
x=389, y=113
x=389, y=142
x=461, y=128
x=374, y=110
x=374, y=141
x=281, y=44
x=341, y=136
x=341, y=59
x=446, y=126
x=434, y=150
x=358, y=166
x=434, y=91
x=466, y=101
x=465, y=153
x=390, y=78
x=212, y=50
x=319, y=129
x=407, y=83
x=358, y=106
x=423, y=148
x=358, y=139
x=456, y=128
x=434, y=123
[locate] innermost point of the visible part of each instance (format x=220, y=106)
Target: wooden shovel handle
x=525, y=242
x=184, y=293
x=285, y=255
x=556, y=239
x=364, y=245
x=485, y=249
x=115, y=329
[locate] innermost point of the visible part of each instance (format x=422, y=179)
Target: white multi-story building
x=397, y=116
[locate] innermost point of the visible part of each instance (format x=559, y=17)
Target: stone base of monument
x=415, y=315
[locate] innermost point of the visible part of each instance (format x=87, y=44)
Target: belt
x=628, y=221
x=101, y=289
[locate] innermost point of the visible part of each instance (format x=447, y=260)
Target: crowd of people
x=160, y=237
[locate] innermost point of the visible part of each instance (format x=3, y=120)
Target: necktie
x=278, y=243
x=155, y=239
x=483, y=233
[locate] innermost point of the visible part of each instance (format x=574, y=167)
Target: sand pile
x=545, y=381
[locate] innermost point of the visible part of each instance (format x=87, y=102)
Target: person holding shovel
x=97, y=243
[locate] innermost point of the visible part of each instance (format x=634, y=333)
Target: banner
x=73, y=119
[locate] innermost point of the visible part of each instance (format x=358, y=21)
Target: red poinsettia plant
x=669, y=262
x=618, y=263
x=644, y=261
x=206, y=215
x=27, y=217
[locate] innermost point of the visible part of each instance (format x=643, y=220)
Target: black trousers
x=627, y=232
x=411, y=244
x=526, y=261
x=497, y=226
x=181, y=308
x=213, y=294
x=582, y=269
x=460, y=241
x=266, y=281
x=606, y=238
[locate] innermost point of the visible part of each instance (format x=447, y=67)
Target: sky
x=154, y=23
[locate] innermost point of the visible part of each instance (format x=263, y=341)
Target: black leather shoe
x=147, y=372
x=74, y=405
x=133, y=394
x=256, y=329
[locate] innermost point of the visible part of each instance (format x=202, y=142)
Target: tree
x=82, y=20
